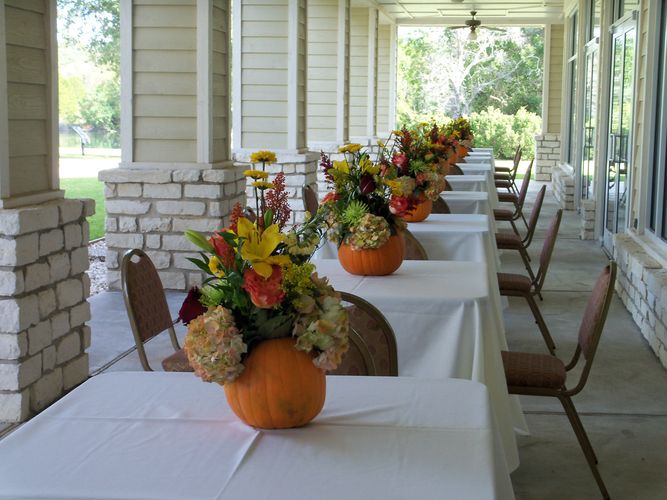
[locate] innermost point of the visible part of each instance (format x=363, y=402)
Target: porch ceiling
x=490, y=12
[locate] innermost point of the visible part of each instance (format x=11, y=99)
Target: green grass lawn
x=88, y=187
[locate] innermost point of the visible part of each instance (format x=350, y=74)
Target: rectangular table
x=171, y=436
x=446, y=325
x=478, y=183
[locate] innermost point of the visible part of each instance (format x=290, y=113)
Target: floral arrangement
x=261, y=286
x=412, y=166
x=459, y=130
x=357, y=210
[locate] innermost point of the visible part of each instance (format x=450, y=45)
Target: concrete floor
x=623, y=407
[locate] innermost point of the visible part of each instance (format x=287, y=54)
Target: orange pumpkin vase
x=279, y=387
x=374, y=261
x=420, y=212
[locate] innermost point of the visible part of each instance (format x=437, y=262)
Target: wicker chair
x=414, y=250
x=147, y=309
x=504, y=215
x=511, y=241
x=310, y=201
x=530, y=374
x=372, y=341
x=440, y=207
x=517, y=285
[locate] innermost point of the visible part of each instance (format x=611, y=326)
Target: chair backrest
x=593, y=321
x=369, y=323
x=524, y=185
x=414, y=250
x=440, y=207
x=357, y=360
x=145, y=301
x=534, y=216
x=547, y=249
x=310, y=201
x=448, y=186
x=517, y=158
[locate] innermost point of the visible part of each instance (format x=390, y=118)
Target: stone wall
x=587, y=229
x=642, y=286
x=43, y=292
x=150, y=210
x=562, y=183
x=547, y=155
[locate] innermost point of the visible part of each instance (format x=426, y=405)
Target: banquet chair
x=414, y=250
x=249, y=214
x=506, y=177
x=147, y=309
x=454, y=169
x=310, y=201
x=511, y=241
x=377, y=337
x=505, y=215
x=517, y=285
x=440, y=207
x=531, y=374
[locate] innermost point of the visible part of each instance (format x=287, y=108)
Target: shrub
x=503, y=133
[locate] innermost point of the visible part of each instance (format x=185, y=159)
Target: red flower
x=420, y=179
x=367, y=184
x=399, y=205
x=222, y=249
x=401, y=161
x=264, y=293
x=191, y=307
x=331, y=196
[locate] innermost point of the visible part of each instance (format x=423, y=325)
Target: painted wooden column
x=386, y=80
x=363, y=74
x=43, y=237
x=270, y=90
x=176, y=171
x=328, y=89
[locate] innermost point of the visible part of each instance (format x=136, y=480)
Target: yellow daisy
x=350, y=148
x=267, y=157
x=262, y=185
x=256, y=174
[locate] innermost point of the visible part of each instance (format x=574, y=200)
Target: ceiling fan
x=473, y=24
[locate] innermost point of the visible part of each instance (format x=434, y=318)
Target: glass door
x=619, y=146
x=588, y=149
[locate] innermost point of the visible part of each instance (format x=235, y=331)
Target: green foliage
x=503, y=133
x=95, y=26
x=88, y=187
x=101, y=108
x=70, y=91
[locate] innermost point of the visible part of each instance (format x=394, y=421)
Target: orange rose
x=330, y=196
x=264, y=293
x=222, y=249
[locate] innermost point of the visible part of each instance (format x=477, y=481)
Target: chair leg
x=585, y=444
x=548, y=340
x=526, y=262
x=515, y=229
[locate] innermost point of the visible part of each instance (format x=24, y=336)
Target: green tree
x=95, y=25
x=101, y=108
x=70, y=91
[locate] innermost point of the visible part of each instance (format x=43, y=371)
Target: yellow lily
x=215, y=266
x=342, y=166
x=258, y=247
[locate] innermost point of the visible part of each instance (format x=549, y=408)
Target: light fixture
x=472, y=35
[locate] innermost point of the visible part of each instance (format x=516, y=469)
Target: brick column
x=270, y=100
x=176, y=172
x=547, y=155
x=43, y=237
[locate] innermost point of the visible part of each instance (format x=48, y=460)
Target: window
x=572, y=78
x=657, y=220
x=589, y=131
x=595, y=9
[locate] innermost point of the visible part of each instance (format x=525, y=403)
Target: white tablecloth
x=171, y=436
x=469, y=202
x=477, y=183
x=447, y=326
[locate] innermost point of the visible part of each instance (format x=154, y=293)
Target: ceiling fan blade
x=458, y=27
x=494, y=29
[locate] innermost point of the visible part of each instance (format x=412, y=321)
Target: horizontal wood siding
x=302, y=81
x=28, y=69
x=264, y=47
x=382, y=99
x=358, y=71
x=322, y=71
x=220, y=90
x=555, y=78
x=165, y=81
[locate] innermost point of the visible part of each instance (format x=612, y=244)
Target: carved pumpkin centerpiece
x=264, y=325
x=359, y=216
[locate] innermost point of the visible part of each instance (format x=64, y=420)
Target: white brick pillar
x=547, y=155
x=176, y=171
x=328, y=97
x=270, y=90
x=363, y=74
x=43, y=237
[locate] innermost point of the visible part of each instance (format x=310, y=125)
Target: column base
x=547, y=155
x=43, y=306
